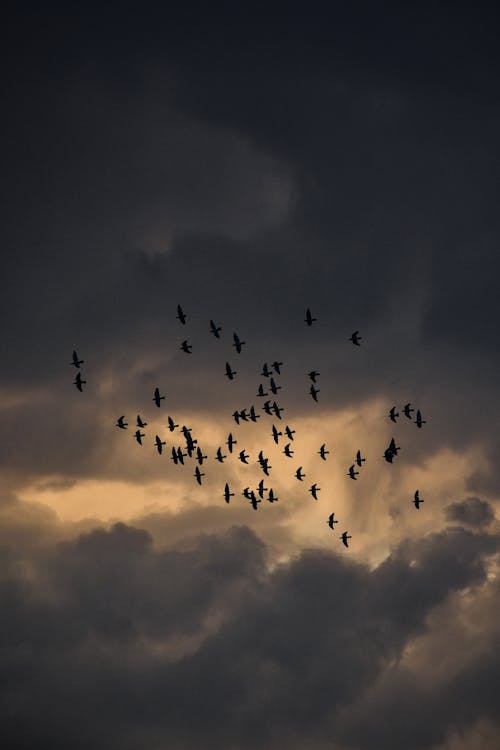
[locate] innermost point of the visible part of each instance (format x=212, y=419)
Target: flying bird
x=159, y=444
x=313, y=374
x=277, y=367
x=181, y=456
x=314, y=392
x=331, y=520
x=237, y=343
x=199, y=456
x=359, y=460
x=219, y=456
x=230, y=373
x=174, y=457
x=417, y=500
x=140, y=422
x=267, y=408
x=215, y=329
x=299, y=474
x=198, y=474
x=393, y=414
x=314, y=489
x=389, y=455
x=345, y=536
x=261, y=392
x=120, y=422
x=274, y=387
x=244, y=415
x=243, y=457
x=266, y=372
x=253, y=500
x=246, y=493
x=309, y=318
x=180, y=315
x=276, y=434
x=186, y=347
x=230, y=442
x=157, y=398
x=352, y=472
x=171, y=424
x=138, y=436
x=75, y=361
x=323, y=452
x=393, y=447
x=288, y=451
x=79, y=382
x=227, y=494
x=277, y=409
x=253, y=416
x=272, y=497
x=355, y=338
x=289, y=433
x=408, y=410
x=261, y=489
x=419, y=421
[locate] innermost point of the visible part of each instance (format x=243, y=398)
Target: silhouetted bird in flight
x=389, y=455
x=360, y=461
x=274, y=387
x=266, y=372
x=345, y=536
x=253, y=416
x=408, y=411
x=227, y=494
x=171, y=424
x=299, y=474
x=230, y=442
x=186, y=347
x=277, y=409
x=230, y=373
x=140, y=423
x=323, y=452
x=309, y=318
x=272, y=497
x=246, y=493
x=75, y=361
x=237, y=343
x=181, y=456
x=138, y=436
x=159, y=444
x=174, y=457
x=266, y=466
x=199, y=456
x=288, y=451
x=355, y=338
x=120, y=422
x=393, y=414
x=277, y=367
x=276, y=434
x=261, y=489
x=244, y=415
x=314, y=392
x=419, y=421
x=180, y=315
x=313, y=374
x=219, y=456
x=352, y=472
x=236, y=416
x=215, y=329
x=393, y=447
x=331, y=520
x=79, y=382
x=253, y=500
x=417, y=500
x=267, y=408
x=314, y=489
x=189, y=449
x=289, y=433
x=261, y=392
x=198, y=474
x=243, y=457
x=157, y=398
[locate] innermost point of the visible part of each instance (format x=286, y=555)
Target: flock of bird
x=191, y=448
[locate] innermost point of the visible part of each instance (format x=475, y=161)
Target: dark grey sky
x=248, y=165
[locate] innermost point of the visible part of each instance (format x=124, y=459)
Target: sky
x=249, y=164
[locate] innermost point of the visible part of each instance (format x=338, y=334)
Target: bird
x=314, y=489
x=274, y=387
x=266, y=466
x=352, y=472
x=277, y=409
x=159, y=443
x=230, y=373
x=180, y=315
x=393, y=414
x=309, y=318
x=198, y=474
x=345, y=536
x=393, y=447
x=360, y=461
x=75, y=361
x=313, y=374
x=181, y=456
x=199, y=456
x=140, y=422
x=408, y=410
x=355, y=338
x=272, y=497
x=253, y=416
x=246, y=493
x=236, y=416
x=323, y=452
x=253, y=500
x=261, y=393
x=219, y=456
x=244, y=415
x=267, y=408
x=417, y=500
x=215, y=329
x=314, y=392
x=331, y=520
x=289, y=433
x=120, y=422
x=277, y=366
x=171, y=424
x=419, y=421
x=79, y=382
x=299, y=474
x=186, y=347
x=276, y=434
x=288, y=451
x=157, y=398
x=174, y=457
x=243, y=457
x=138, y=436
x=230, y=442
x=389, y=455
x=227, y=494
x=237, y=343
x=266, y=372
x=261, y=489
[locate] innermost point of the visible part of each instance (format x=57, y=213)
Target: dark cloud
x=472, y=511
x=126, y=641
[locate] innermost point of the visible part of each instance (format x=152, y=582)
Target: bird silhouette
x=359, y=460
x=237, y=343
x=314, y=489
x=417, y=500
x=276, y=434
x=198, y=474
x=314, y=375
x=157, y=398
x=227, y=494
x=261, y=393
x=299, y=474
x=75, y=361
x=288, y=451
x=352, y=472
x=140, y=422
x=331, y=520
x=309, y=318
x=180, y=315
x=289, y=433
x=230, y=373
x=355, y=338
x=393, y=414
x=120, y=422
x=277, y=366
x=185, y=347
x=171, y=424
x=323, y=452
x=215, y=329
x=79, y=382
x=219, y=456
x=159, y=444
x=345, y=536
x=138, y=435
x=419, y=421
x=314, y=392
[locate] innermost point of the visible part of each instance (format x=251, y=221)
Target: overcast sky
x=249, y=165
